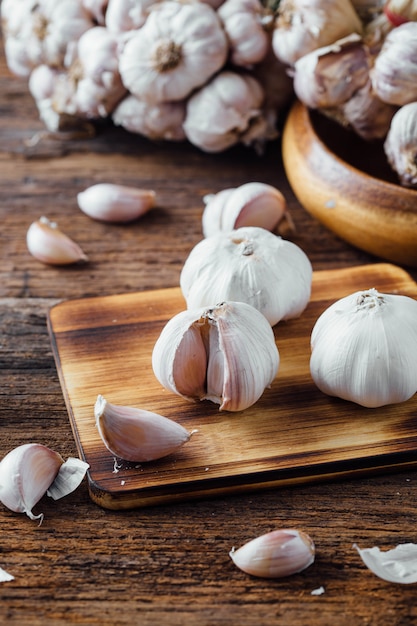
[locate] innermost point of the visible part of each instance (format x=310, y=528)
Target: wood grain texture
x=164, y=565
x=293, y=434
x=370, y=212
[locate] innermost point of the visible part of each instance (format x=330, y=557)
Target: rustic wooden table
x=165, y=564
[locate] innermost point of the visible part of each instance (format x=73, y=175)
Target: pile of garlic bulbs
x=219, y=72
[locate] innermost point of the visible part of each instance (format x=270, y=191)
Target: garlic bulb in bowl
x=364, y=349
x=225, y=353
x=252, y=265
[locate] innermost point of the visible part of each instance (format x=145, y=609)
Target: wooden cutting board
x=293, y=434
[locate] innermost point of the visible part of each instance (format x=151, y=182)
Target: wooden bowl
x=348, y=185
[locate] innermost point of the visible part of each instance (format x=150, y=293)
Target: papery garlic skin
x=51, y=246
x=250, y=204
x=162, y=120
x=398, y=565
x=226, y=111
x=305, y=25
x=115, y=203
x=179, y=48
x=137, y=435
x=251, y=265
x=276, y=554
x=400, y=145
x=394, y=75
x=245, y=23
x=225, y=353
x=364, y=349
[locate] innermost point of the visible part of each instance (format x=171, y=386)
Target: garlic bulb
x=226, y=111
x=276, y=554
x=251, y=204
x=134, y=434
x=225, y=353
x=162, y=120
x=364, y=349
x=50, y=245
x=249, y=265
x=179, y=47
x=398, y=565
x=394, y=75
x=245, y=23
x=305, y=25
x=401, y=144
x=32, y=470
x=115, y=203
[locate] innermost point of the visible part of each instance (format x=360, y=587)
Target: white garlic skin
x=364, y=349
x=137, y=435
x=26, y=473
x=51, y=246
x=276, y=554
x=400, y=145
x=251, y=204
x=251, y=265
x=226, y=354
x=108, y=202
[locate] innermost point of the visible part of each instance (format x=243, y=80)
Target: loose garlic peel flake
x=225, y=353
x=398, y=565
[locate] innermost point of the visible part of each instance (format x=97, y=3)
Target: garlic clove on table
x=224, y=353
x=364, y=349
x=115, y=203
x=276, y=554
x=134, y=434
x=51, y=246
x=252, y=265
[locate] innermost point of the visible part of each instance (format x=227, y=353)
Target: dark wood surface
x=164, y=564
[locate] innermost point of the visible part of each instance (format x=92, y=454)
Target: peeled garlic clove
x=251, y=204
x=49, y=245
x=364, y=349
x=252, y=265
x=226, y=354
x=398, y=565
x=26, y=473
x=115, y=203
x=135, y=434
x=276, y=554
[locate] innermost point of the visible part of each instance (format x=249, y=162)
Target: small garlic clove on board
x=137, y=435
x=32, y=470
x=51, y=246
x=115, y=203
x=226, y=354
x=276, y=554
x=251, y=204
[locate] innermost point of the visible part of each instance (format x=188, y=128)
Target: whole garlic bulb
x=394, y=75
x=400, y=145
x=225, y=353
x=305, y=25
x=364, y=349
x=179, y=47
x=251, y=265
x=225, y=111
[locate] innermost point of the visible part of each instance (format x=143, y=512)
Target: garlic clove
x=226, y=354
x=115, y=203
x=51, y=246
x=26, y=473
x=251, y=204
x=137, y=435
x=398, y=565
x=276, y=554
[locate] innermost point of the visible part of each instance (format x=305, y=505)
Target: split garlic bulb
x=305, y=25
x=179, y=47
x=394, y=75
x=401, y=144
x=226, y=353
x=251, y=265
x=364, y=349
